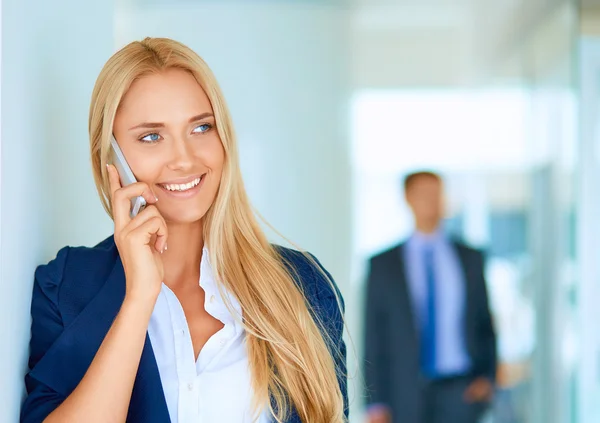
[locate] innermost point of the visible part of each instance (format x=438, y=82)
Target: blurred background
x=339, y=99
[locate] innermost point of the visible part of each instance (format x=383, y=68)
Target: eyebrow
x=153, y=125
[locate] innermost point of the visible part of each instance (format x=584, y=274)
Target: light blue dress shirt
x=452, y=357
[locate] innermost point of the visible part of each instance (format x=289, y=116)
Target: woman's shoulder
x=315, y=281
x=75, y=264
x=62, y=289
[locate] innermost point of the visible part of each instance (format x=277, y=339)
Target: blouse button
x=190, y=386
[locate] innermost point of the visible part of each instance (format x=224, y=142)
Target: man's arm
x=485, y=328
x=482, y=388
x=376, y=364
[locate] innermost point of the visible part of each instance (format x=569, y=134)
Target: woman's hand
x=140, y=240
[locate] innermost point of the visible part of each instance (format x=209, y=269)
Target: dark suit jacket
x=392, y=369
x=75, y=300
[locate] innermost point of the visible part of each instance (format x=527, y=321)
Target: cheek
x=147, y=167
x=213, y=155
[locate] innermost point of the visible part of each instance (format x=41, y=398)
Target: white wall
x=589, y=231
x=51, y=55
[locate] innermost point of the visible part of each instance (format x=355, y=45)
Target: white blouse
x=216, y=387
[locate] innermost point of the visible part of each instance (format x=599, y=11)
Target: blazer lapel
x=406, y=297
x=463, y=260
x=148, y=402
x=67, y=360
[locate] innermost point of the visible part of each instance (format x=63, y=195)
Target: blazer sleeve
x=376, y=362
x=332, y=315
x=485, y=329
x=46, y=327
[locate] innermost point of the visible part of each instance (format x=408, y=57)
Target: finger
x=121, y=201
x=158, y=238
x=113, y=179
x=115, y=184
x=138, y=189
x=144, y=233
x=159, y=241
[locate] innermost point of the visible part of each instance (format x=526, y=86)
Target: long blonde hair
x=289, y=351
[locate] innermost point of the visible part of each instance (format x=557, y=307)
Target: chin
x=188, y=216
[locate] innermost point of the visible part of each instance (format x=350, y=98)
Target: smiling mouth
x=183, y=187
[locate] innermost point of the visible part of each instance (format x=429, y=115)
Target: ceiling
x=443, y=42
x=431, y=42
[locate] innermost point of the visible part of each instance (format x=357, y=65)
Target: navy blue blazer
x=75, y=300
x=392, y=369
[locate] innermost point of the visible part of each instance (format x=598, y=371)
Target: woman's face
x=166, y=129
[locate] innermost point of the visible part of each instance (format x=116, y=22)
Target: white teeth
x=182, y=187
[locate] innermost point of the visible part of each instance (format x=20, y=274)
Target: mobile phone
x=117, y=158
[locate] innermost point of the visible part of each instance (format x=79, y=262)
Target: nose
x=182, y=156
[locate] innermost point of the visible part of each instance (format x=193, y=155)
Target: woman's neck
x=182, y=258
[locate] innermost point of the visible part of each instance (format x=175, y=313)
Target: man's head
x=424, y=193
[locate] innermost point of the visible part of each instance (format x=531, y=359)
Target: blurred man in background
x=430, y=347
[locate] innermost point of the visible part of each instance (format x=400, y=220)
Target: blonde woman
x=187, y=313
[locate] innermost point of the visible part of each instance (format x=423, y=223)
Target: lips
x=182, y=184
x=183, y=187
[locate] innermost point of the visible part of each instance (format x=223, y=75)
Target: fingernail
x=165, y=247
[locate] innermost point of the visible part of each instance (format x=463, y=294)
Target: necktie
x=428, y=333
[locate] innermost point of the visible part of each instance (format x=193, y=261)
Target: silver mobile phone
x=127, y=177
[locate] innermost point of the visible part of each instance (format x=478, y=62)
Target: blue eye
x=205, y=127
x=150, y=138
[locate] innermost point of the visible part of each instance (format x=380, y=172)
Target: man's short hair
x=413, y=176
